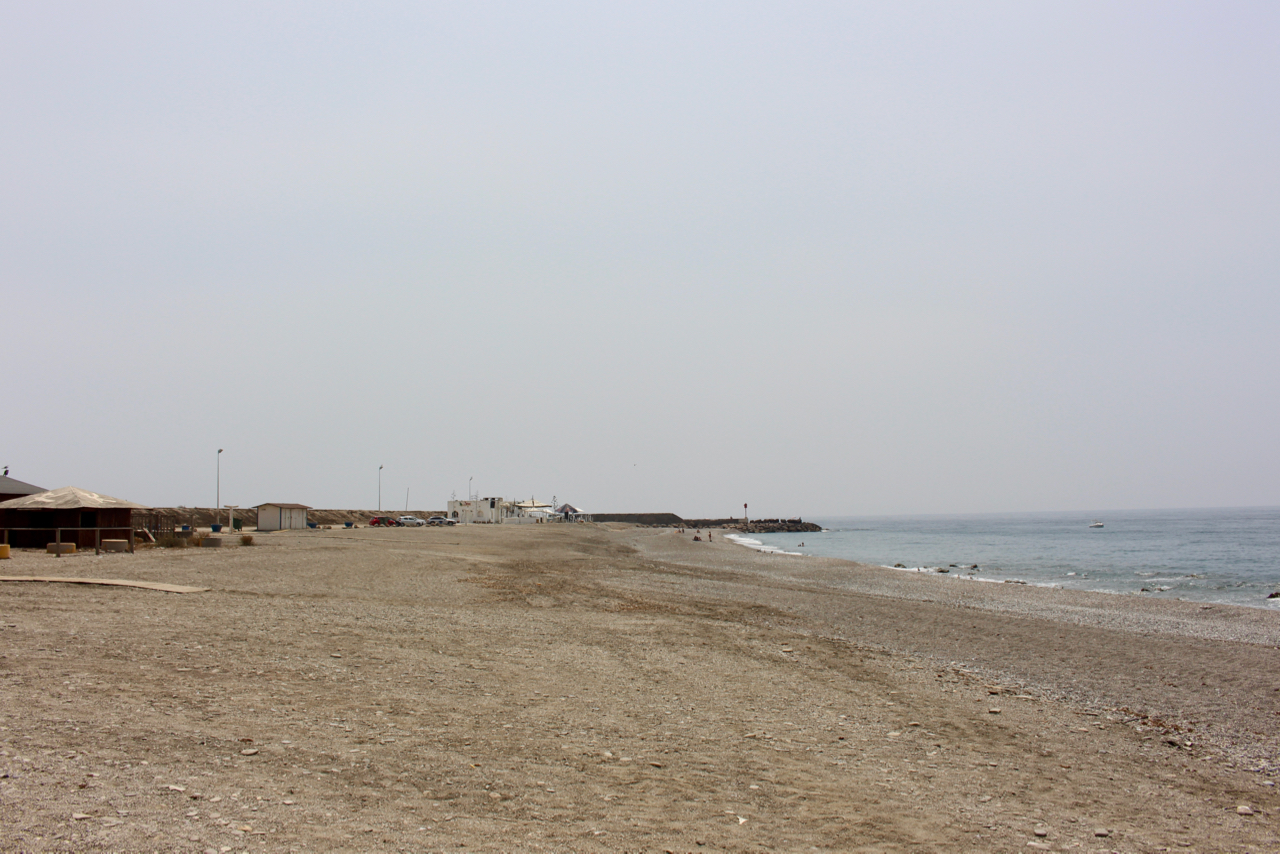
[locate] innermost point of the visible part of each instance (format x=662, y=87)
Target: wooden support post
x=57, y=539
x=130, y=539
x=97, y=541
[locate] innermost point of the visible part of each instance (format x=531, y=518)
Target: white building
x=497, y=511
x=282, y=517
x=487, y=511
x=528, y=512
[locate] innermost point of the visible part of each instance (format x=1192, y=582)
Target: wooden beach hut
x=67, y=515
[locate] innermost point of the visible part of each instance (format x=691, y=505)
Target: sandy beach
x=609, y=688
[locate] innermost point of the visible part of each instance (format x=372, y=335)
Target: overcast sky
x=823, y=258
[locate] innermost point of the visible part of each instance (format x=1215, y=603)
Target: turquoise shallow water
x=1219, y=555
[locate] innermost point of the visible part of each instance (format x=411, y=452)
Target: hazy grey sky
x=825, y=258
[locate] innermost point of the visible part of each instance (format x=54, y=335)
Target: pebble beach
x=613, y=688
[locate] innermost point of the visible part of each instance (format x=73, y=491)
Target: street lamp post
x=379, y=489
x=469, y=495
x=218, y=501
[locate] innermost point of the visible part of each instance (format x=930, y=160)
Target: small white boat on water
x=1096, y=524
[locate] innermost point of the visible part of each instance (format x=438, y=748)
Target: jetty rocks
x=776, y=526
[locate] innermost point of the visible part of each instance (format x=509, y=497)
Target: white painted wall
x=480, y=510
x=272, y=517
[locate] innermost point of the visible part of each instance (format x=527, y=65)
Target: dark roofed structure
x=68, y=515
x=10, y=488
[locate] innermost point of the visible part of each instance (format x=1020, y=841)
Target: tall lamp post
x=379, y=489
x=218, y=502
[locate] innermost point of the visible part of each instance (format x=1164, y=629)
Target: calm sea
x=1223, y=555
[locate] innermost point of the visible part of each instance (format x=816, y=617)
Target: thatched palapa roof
x=69, y=498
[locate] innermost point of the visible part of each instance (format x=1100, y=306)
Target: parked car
x=383, y=521
x=411, y=521
x=441, y=520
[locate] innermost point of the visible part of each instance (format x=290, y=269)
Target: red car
x=383, y=521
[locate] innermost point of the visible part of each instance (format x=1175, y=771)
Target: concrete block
x=115, y=545
x=212, y=542
x=4, y=551
x=61, y=548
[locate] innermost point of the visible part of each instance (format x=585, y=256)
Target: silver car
x=411, y=521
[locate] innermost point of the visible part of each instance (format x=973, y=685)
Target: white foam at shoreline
x=758, y=546
x=933, y=570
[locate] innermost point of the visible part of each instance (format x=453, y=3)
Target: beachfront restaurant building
x=66, y=515
x=482, y=511
x=497, y=511
x=528, y=512
x=282, y=517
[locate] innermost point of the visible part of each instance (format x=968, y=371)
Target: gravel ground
x=597, y=688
